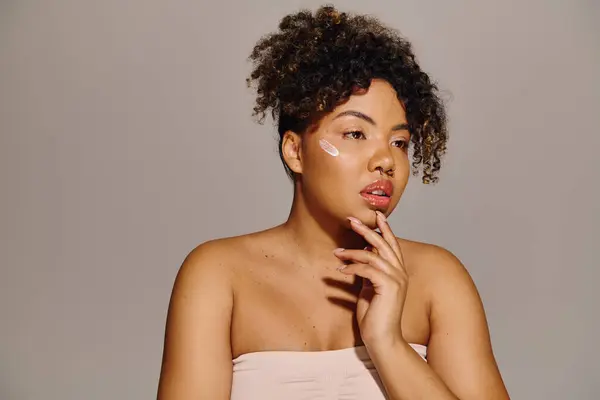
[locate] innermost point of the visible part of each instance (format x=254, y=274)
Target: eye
x=402, y=144
x=356, y=135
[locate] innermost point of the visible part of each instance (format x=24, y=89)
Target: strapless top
x=346, y=374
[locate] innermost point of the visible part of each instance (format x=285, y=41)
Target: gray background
x=127, y=139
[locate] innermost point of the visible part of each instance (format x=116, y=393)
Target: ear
x=291, y=149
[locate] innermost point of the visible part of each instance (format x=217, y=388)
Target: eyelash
x=348, y=135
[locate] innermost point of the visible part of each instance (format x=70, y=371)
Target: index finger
x=388, y=235
x=375, y=239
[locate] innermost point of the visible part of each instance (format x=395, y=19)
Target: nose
x=382, y=161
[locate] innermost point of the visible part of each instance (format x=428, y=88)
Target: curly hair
x=315, y=62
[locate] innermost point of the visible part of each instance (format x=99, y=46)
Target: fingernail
x=338, y=250
x=355, y=220
x=341, y=267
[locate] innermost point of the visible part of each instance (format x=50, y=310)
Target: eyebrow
x=358, y=114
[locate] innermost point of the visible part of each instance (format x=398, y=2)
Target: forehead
x=380, y=101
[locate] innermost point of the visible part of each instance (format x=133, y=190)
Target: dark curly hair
x=316, y=61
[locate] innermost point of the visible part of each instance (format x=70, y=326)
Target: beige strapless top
x=347, y=374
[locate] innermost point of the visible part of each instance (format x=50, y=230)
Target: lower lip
x=377, y=201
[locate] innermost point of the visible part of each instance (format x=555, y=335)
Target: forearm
x=406, y=376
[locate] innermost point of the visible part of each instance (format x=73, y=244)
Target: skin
x=284, y=288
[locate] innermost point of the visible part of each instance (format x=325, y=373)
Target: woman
x=325, y=306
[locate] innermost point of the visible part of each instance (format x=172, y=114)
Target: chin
x=368, y=217
x=363, y=211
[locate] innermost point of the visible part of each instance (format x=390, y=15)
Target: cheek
x=329, y=148
x=336, y=161
x=329, y=158
x=330, y=165
x=337, y=154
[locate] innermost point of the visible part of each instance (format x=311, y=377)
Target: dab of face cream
x=329, y=148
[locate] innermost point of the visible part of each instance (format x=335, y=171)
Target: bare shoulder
x=197, y=349
x=213, y=254
x=218, y=258
x=431, y=261
x=222, y=253
x=459, y=349
x=438, y=271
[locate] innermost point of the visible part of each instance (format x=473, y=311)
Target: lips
x=378, y=193
x=379, y=188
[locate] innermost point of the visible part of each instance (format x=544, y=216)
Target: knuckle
x=372, y=257
x=360, y=267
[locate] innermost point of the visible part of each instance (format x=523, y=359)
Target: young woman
x=330, y=304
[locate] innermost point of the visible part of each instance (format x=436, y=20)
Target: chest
x=294, y=310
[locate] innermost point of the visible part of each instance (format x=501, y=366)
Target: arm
x=460, y=346
x=460, y=364
x=197, y=354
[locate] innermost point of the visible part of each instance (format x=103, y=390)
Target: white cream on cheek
x=329, y=148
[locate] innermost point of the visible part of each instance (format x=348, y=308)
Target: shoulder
x=204, y=284
x=207, y=258
x=430, y=259
x=459, y=347
x=214, y=257
x=220, y=258
x=197, y=349
x=440, y=272
x=204, y=276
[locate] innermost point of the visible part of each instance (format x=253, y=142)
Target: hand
x=385, y=282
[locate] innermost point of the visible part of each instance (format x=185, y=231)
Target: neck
x=316, y=234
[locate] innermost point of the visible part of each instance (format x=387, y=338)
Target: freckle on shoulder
x=216, y=255
x=228, y=253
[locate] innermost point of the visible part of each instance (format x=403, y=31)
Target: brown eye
x=402, y=144
x=356, y=135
